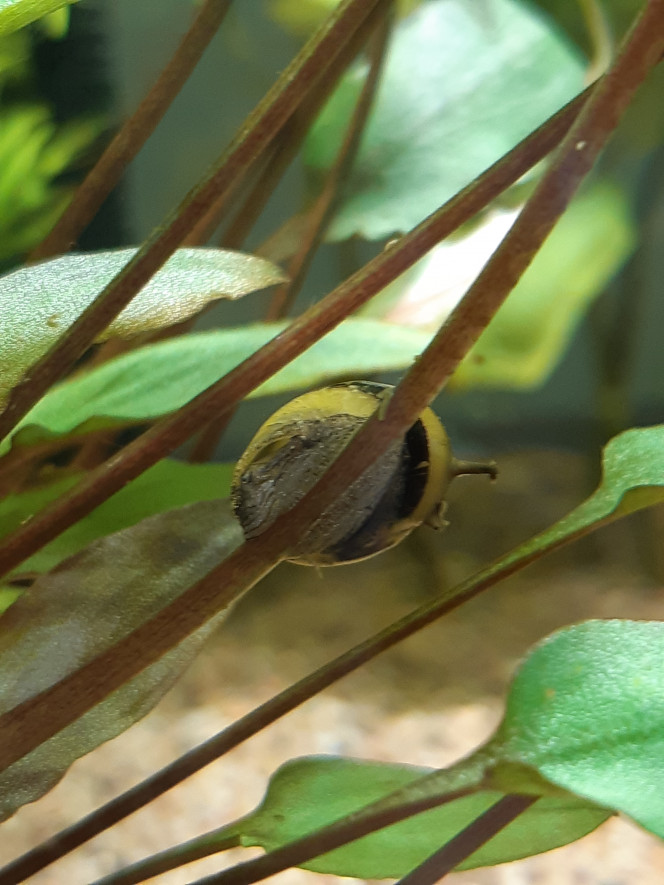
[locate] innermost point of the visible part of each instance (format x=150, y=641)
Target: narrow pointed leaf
x=15, y=14
x=86, y=605
x=36, y=152
x=153, y=380
x=38, y=303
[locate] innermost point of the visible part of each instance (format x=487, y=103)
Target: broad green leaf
x=522, y=345
x=463, y=83
x=87, y=604
x=633, y=468
x=576, y=18
x=15, y=14
x=309, y=793
x=160, y=378
x=586, y=710
x=528, y=335
x=38, y=303
x=167, y=485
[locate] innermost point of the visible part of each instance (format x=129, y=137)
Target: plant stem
x=320, y=214
x=573, y=160
x=221, y=397
x=318, y=219
x=133, y=134
x=171, y=859
x=600, y=35
x=254, y=136
x=281, y=704
x=353, y=827
x=468, y=840
x=286, y=146
x=45, y=714
x=37, y=719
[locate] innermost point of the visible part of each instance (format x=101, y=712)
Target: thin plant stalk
x=134, y=132
x=37, y=719
x=320, y=214
x=43, y=715
x=356, y=825
x=172, y=859
x=469, y=840
x=653, y=18
x=283, y=703
x=318, y=219
x=255, y=135
x=221, y=397
x=286, y=146
x=572, y=161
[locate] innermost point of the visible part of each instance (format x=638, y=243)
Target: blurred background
x=577, y=358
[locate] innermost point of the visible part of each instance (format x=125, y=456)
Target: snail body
x=404, y=488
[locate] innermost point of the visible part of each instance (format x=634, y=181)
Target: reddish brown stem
x=574, y=158
x=321, y=212
x=133, y=134
x=297, y=128
x=286, y=147
x=215, y=215
x=275, y=708
x=31, y=723
x=354, y=827
x=644, y=47
x=465, y=843
x=319, y=217
x=261, y=127
x=173, y=431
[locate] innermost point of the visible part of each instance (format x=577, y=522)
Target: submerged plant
x=118, y=561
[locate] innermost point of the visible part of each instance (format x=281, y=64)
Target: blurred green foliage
x=15, y=14
x=36, y=151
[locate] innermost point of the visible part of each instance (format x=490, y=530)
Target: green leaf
x=309, y=793
x=528, y=335
x=88, y=604
x=34, y=152
x=463, y=83
x=522, y=345
x=579, y=21
x=8, y=596
x=15, y=14
x=160, y=378
x=56, y=24
x=586, y=710
x=300, y=16
x=167, y=485
x=38, y=303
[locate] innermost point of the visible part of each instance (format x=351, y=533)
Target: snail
x=405, y=488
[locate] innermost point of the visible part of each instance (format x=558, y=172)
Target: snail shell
x=292, y=449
